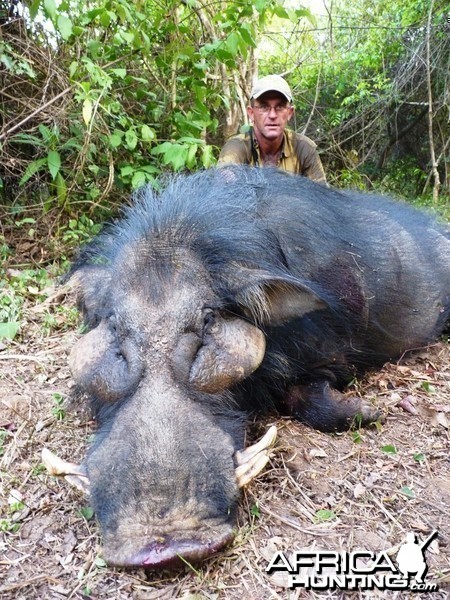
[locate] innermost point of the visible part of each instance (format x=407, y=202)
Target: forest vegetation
x=98, y=98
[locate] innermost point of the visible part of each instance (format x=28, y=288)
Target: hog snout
x=172, y=553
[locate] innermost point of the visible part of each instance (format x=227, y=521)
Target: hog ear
x=274, y=300
x=232, y=349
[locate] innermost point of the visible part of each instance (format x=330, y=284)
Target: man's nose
x=272, y=111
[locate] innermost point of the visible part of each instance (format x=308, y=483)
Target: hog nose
x=174, y=553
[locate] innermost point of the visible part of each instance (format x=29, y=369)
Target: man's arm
x=234, y=152
x=309, y=159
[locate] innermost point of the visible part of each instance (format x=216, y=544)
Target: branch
x=437, y=183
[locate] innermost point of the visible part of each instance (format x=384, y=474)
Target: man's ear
x=276, y=299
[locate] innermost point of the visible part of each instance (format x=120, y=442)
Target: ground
x=360, y=490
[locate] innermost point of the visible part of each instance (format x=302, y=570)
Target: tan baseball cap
x=271, y=83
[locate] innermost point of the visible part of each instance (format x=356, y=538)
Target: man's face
x=270, y=114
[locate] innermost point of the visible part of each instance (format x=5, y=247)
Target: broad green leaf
x=428, y=387
x=7, y=61
x=419, y=457
x=121, y=73
x=175, y=155
x=50, y=9
x=207, y=157
x=9, y=329
x=105, y=18
x=151, y=169
x=73, y=68
x=47, y=134
x=131, y=139
x=389, y=449
x=32, y=169
x=281, y=12
x=190, y=158
x=54, y=163
x=147, y=133
x=64, y=25
x=127, y=37
x=61, y=189
x=260, y=5
x=324, y=515
x=138, y=180
x=247, y=35
x=87, y=110
x=87, y=512
x=233, y=42
x=127, y=170
x=34, y=8
x=115, y=139
x=408, y=492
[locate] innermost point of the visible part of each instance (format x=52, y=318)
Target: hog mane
x=235, y=217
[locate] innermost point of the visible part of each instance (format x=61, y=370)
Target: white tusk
x=251, y=461
x=72, y=473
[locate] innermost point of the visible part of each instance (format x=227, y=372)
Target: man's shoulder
x=236, y=149
x=239, y=138
x=298, y=139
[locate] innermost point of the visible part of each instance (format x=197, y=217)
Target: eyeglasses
x=265, y=109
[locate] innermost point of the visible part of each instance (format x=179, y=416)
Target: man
x=268, y=142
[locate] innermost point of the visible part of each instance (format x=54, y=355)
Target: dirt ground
x=353, y=491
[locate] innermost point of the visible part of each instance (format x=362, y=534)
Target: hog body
x=234, y=291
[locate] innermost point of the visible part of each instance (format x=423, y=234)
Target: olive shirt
x=298, y=154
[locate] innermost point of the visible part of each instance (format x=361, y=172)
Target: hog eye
x=208, y=320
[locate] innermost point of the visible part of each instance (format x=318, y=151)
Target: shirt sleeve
x=233, y=152
x=314, y=169
x=310, y=160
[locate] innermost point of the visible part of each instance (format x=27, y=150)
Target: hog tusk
x=72, y=473
x=251, y=461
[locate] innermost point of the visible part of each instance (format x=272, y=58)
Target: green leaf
x=61, y=188
x=9, y=329
x=34, y=8
x=138, y=180
x=233, y=42
x=408, y=492
x=147, y=133
x=324, y=515
x=131, y=139
x=32, y=169
x=190, y=158
x=356, y=437
x=127, y=170
x=281, y=12
x=105, y=18
x=64, y=25
x=115, y=139
x=260, y=5
x=389, y=449
x=87, y=512
x=428, y=387
x=207, y=157
x=419, y=457
x=47, y=134
x=247, y=35
x=50, y=9
x=54, y=163
x=121, y=73
x=87, y=110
